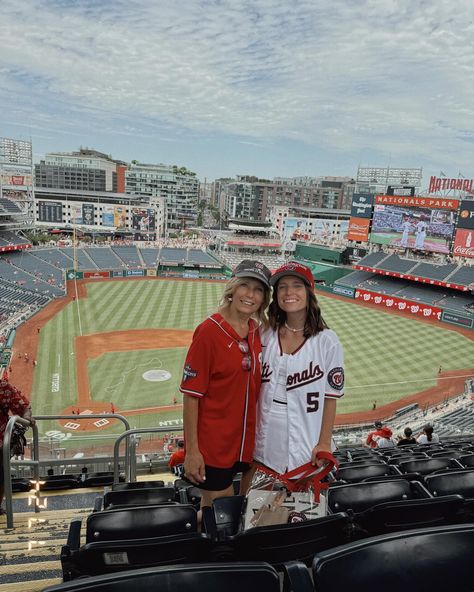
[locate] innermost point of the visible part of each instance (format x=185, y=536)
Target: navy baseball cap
x=253, y=269
x=296, y=269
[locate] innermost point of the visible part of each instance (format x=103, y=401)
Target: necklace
x=293, y=330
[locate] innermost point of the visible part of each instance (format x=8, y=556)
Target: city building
x=177, y=186
x=140, y=217
x=85, y=170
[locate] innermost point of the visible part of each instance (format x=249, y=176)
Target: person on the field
x=406, y=226
x=221, y=382
x=11, y=401
x=420, y=234
x=302, y=377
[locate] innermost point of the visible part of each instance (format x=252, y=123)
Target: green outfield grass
x=386, y=356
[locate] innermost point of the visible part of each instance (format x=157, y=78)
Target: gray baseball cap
x=253, y=269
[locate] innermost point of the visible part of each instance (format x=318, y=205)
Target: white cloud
x=345, y=76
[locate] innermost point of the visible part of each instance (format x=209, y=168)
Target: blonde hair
x=229, y=290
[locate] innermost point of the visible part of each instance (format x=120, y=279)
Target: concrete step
x=31, y=585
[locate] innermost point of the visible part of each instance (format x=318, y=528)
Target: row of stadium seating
x=137, y=525
x=453, y=273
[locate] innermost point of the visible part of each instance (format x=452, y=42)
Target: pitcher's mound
x=156, y=375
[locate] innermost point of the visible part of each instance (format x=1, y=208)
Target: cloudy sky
x=225, y=87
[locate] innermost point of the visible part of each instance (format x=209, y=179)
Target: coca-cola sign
x=464, y=243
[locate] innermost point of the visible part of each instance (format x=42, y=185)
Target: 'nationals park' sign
x=445, y=183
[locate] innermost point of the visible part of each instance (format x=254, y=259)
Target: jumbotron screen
x=423, y=229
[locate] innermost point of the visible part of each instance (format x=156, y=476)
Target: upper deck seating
x=129, y=255
x=462, y=276
x=372, y=259
x=104, y=258
x=397, y=264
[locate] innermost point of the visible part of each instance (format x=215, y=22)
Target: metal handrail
x=35, y=450
x=132, y=468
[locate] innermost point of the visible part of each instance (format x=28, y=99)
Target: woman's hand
x=194, y=468
x=320, y=447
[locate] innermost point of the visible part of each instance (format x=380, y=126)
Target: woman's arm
x=193, y=461
x=327, y=425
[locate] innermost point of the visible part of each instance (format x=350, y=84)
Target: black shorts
x=220, y=479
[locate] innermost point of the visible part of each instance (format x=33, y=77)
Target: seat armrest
x=296, y=578
x=74, y=534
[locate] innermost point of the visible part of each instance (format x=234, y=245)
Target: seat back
x=461, y=482
x=467, y=460
x=422, y=560
x=138, y=485
x=356, y=474
x=424, y=467
x=213, y=577
x=139, y=497
x=291, y=542
x=358, y=497
x=412, y=513
x=140, y=522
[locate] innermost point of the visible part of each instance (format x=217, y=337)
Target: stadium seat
x=405, y=476
x=357, y=497
x=461, y=482
x=140, y=522
x=423, y=560
x=466, y=460
x=55, y=482
x=138, y=497
x=136, y=536
x=408, y=514
x=426, y=466
x=214, y=577
x=291, y=542
x=356, y=474
x=223, y=519
x=448, y=454
x=137, y=485
x=362, y=463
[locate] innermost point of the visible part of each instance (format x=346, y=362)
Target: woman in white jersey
x=302, y=375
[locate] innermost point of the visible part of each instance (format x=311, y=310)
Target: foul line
x=409, y=381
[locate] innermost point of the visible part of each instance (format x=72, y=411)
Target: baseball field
x=120, y=347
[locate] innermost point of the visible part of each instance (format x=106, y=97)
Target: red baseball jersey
x=214, y=371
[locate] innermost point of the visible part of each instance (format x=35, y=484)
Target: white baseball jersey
x=291, y=403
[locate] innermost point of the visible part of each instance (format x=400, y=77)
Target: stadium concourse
x=391, y=501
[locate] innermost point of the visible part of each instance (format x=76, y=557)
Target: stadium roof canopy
x=251, y=225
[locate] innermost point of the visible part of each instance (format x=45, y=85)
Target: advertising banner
x=15, y=178
x=456, y=319
x=401, y=190
x=391, y=302
x=464, y=243
x=108, y=215
x=50, y=211
x=151, y=272
x=75, y=214
x=120, y=216
x=117, y=273
x=143, y=220
x=135, y=272
x=295, y=229
x=358, y=229
x=88, y=212
x=410, y=227
x=466, y=215
x=343, y=291
x=95, y=275
x=362, y=204
x=344, y=229
x=73, y=275
x=323, y=229
x=434, y=203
